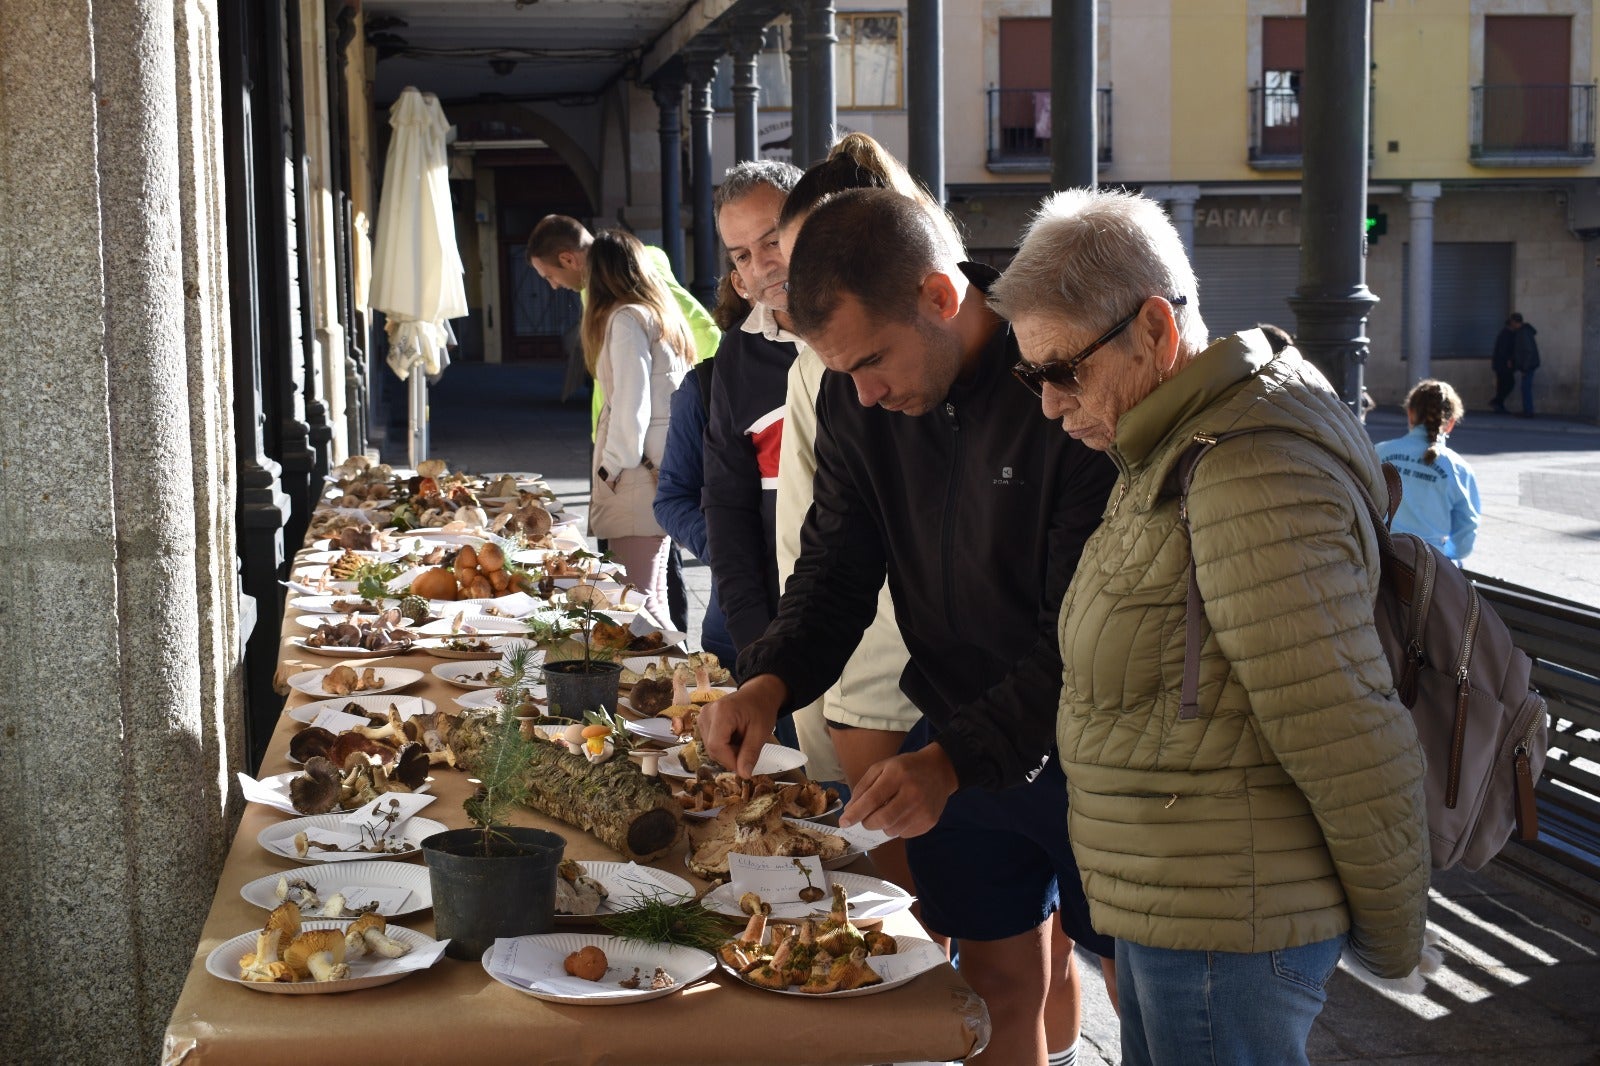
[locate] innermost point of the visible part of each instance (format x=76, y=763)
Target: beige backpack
x=1483, y=726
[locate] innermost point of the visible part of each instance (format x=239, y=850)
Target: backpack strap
x=1194, y=607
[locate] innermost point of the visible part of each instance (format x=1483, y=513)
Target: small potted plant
x=581, y=684
x=494, y=880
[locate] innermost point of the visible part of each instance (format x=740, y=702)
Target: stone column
x=112, y=765
x=824, y=114
x=799, y=83
x=745, y=45
x=1180, y=201
x=1419, y=284
x=668, y=91
x=701, y=70
x=1332, y=302
x=1074, y=156
x=925, y=92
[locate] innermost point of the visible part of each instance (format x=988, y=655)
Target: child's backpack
x=1483, y=726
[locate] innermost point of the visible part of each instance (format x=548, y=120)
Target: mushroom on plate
x=317, y=790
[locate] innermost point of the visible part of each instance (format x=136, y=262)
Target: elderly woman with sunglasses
x=1235, y=832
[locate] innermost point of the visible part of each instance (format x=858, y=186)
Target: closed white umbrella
x=416, y=272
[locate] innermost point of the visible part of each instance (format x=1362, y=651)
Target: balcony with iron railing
x=1532, y=125
x=1275, y=142
x=1019, y=129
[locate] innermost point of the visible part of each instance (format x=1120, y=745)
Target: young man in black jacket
x=932, y=471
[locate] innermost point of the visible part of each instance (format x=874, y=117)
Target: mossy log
x=635, y=814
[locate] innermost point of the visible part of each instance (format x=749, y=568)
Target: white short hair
x=1091, y=256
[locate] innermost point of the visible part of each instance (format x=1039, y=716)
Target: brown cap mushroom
x=349, y=745
x=411, y=766
x=310, y=742
x=317, y=790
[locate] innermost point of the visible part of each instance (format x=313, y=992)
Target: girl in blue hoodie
x=1440, y=499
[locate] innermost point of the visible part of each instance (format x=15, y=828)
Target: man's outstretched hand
x=736, y=727
x=903, y=795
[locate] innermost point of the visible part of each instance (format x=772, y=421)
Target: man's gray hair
x=744, y=178
x=1092, y=256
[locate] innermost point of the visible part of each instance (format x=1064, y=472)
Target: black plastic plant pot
x=577, y=687
x=508, y=891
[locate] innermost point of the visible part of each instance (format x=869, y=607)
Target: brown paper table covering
x=455, y=1013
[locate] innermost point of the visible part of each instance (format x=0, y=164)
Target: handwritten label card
x=778, y=879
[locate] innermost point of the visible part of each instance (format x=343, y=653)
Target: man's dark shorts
x=998, y=862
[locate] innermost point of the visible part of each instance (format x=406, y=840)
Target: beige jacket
x=638, y=372
x=1292, y=809
x=867, y=694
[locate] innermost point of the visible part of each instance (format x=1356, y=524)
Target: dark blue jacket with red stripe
x=743, y=436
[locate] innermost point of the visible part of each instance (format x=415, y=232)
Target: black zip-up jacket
x=977, y=511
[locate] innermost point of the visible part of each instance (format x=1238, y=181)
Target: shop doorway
x=529, y=184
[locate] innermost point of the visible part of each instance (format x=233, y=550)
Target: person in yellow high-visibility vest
x=558, y=251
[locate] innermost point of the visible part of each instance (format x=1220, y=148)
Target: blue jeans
x=1527, y=392
x=1219, y=1007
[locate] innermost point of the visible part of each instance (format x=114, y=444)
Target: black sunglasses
x=1063, y=373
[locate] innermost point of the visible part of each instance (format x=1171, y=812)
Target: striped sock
x=1067, y=1056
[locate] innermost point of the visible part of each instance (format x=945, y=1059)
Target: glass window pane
x=876, y=61
x=845, y=30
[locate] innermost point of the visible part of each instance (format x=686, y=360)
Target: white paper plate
x=327, y=604
x=393, y=678
x=917, y=957
x=331, y=877
x=724, y=899
x=413, y=831
x=486, y=698
x=344, y=653
x=522, y=477
x=223, y=962
x=464, y=675
x=775, y=759
x=279, y=783
x=494, y=647
x=329, y=555
x=307, y=713
x=656, y=729
x=858, y=841
x=813, y=819
x=626, y=885
x=686, y=965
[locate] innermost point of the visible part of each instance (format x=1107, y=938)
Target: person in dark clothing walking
x=933, y=473
x=1525, y=357
x=1503, y=363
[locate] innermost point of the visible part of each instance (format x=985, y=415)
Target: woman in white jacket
x=638, y=347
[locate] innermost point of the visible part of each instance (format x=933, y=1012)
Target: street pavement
x=1519, y=979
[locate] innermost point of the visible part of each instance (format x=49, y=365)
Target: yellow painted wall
x=1210, y=92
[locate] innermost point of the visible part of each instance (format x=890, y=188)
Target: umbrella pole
x=418, y=393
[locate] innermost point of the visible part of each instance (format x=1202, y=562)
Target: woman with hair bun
x=1439, y=501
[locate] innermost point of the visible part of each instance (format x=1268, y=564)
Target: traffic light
x=1377, y=224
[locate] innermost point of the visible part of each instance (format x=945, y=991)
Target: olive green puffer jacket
x=1291, y=810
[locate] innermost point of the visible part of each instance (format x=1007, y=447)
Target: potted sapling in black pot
x=579, y=685
x=494, y=880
